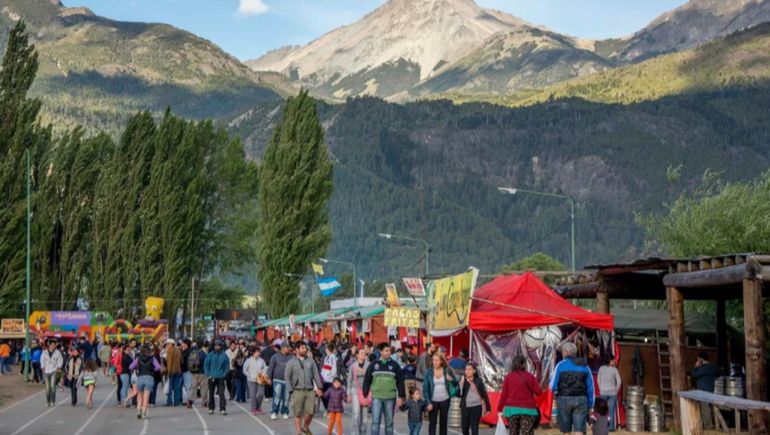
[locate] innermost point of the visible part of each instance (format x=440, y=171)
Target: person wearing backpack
x=356, y=396
x=195, y=362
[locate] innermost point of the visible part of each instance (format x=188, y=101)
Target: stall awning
x=514, y=302
x=329, y=315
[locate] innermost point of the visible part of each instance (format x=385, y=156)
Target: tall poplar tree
x=294, y=189
x=19, y=132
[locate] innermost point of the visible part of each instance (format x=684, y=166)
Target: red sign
x=415, y=286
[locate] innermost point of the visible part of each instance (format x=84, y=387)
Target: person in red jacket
x=517, y=400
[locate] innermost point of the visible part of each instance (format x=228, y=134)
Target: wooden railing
x=689, y=403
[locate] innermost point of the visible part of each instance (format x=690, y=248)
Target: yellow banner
x=402, y=316
x=392, y=293
x=450, y=302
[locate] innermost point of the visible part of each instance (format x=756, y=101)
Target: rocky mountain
x=406, y=43
x=515, y=61
x=694, y=23
x=736, y=61
x=95, y=71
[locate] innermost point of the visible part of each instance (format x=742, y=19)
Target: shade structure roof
x=514, y=302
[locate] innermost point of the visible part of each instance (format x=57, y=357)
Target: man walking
x=174, y=373
x=303, y=383
x=276, y=372
x=231, y=353
x=195, y=361
x=5, y=355
x=186, y=375
x=424, y=362
x=573, y=386
x=216, y=367
x=385, y=380
x=609, y=385
x=51, y=361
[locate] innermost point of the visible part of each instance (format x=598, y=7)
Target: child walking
x=600, y=419
x=88, y=379
x=415, y=406
x=335, y=397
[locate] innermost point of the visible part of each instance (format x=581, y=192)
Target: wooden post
x=602, y=302
x=723, y=355
x=691, y=420
x=676, y=344
x=753, y=326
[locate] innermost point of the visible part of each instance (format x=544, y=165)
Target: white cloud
x=248, y=8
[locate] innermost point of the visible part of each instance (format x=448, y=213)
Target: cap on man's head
x=170, y=341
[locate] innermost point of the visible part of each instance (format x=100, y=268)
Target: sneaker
x=260, y=412
x=273, y=416
x=286, y=416
x=223, y=412
x=211, y=411
x=139, y=416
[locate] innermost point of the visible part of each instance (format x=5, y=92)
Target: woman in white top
x=439, y=386
x=255, y=371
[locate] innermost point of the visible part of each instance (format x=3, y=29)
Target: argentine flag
x=328, y=285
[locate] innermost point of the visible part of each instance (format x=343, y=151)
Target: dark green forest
x=430, y=170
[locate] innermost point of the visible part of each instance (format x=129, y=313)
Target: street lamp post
x=427, y=247
x=355, y=283
x=514, y=191
x=29, y=239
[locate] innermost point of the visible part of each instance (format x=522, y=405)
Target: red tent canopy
x=524, y=301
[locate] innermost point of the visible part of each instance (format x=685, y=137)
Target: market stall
x=520, y=315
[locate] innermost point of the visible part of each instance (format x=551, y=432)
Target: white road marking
x=144, y=427
x=20, y=402
x=91, y=418
x=203, y=422
x=29, y=423
x=255, y=418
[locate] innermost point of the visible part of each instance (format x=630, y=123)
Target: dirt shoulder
x=13, y=388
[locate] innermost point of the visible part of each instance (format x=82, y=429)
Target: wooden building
x=719, y=278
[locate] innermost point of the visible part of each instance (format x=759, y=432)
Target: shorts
x=145, y=383
x=303, y=402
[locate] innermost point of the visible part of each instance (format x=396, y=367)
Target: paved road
x=31, y=416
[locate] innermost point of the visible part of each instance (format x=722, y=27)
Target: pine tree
x=295, y=187
x=19, y=132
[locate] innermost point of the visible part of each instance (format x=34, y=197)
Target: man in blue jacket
x=215, y=368
x=573, y=386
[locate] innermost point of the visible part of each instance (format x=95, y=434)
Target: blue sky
x=249, y=28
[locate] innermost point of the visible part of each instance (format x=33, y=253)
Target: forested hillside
x=430, y=170
x=97, y=72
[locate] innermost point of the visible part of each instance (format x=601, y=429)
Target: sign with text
x=392, y=298
x=402, y=317
x=12, y=326
x=450, y=303
x=415, y=286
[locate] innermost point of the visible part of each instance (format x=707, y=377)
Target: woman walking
x=439, y=386
x=239, y=380
x=255, y=371
x=474, y=402
x=146, y=366
x=517, y=400
x=88, y=379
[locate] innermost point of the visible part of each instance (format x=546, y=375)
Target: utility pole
x=192, y=310
x=29, y=242
x=413, y=239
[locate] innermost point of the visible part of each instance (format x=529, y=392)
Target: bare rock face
x=694, y=23
x=403, y=42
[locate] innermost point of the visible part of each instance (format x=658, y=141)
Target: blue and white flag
x=328, y=285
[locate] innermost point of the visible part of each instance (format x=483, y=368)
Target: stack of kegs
x=656, y=418
x=635, y=409
x=719, y=386
x=734, y=386
x=455, y=416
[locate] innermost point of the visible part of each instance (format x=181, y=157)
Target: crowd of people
x=371, y=382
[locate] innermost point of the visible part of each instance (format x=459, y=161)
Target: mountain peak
x=402, y=42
